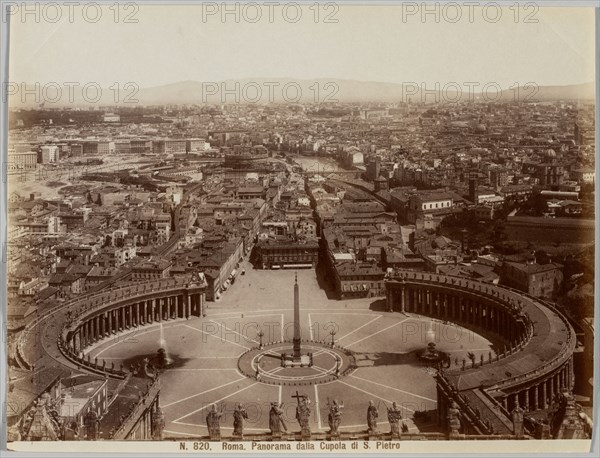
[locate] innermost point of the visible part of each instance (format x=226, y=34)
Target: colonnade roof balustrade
x=131, y=294
x=549, y=346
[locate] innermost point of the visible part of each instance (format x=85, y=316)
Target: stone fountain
x=163, y=358
x=431, y=355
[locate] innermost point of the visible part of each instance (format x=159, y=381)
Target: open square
x=385, y=347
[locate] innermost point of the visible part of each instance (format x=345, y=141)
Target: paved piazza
x=207, y=351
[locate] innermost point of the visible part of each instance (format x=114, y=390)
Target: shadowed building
x=287, y=253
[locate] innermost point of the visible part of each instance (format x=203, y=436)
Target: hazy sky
x=377, y=43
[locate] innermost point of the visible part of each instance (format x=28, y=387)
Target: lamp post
x=332, y=333
x=260, y=337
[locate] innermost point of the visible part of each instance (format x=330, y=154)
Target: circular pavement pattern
x=268, y=364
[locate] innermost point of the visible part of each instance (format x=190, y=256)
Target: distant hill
x=288, y=90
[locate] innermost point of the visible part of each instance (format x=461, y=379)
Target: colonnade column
x=486, y=318
x=560, y=377
x=430, y=302
x=544, y=395
x=88, y=336
x=402, y=299
x=497, y=321
x=83, y=336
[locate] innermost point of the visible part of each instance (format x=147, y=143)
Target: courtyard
x=206, y=351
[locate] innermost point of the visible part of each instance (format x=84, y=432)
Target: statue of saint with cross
x=303, y=414
x=276, y=423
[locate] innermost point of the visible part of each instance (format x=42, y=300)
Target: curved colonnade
x=534, y=366
x=74, y=326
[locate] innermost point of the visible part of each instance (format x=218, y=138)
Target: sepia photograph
x=298, y=227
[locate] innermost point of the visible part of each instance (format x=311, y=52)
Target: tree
x=99, y=199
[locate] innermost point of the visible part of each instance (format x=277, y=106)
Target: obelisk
x=296, y=341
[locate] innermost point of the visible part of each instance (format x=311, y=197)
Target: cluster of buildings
x=403, y=172
x=203, y=189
